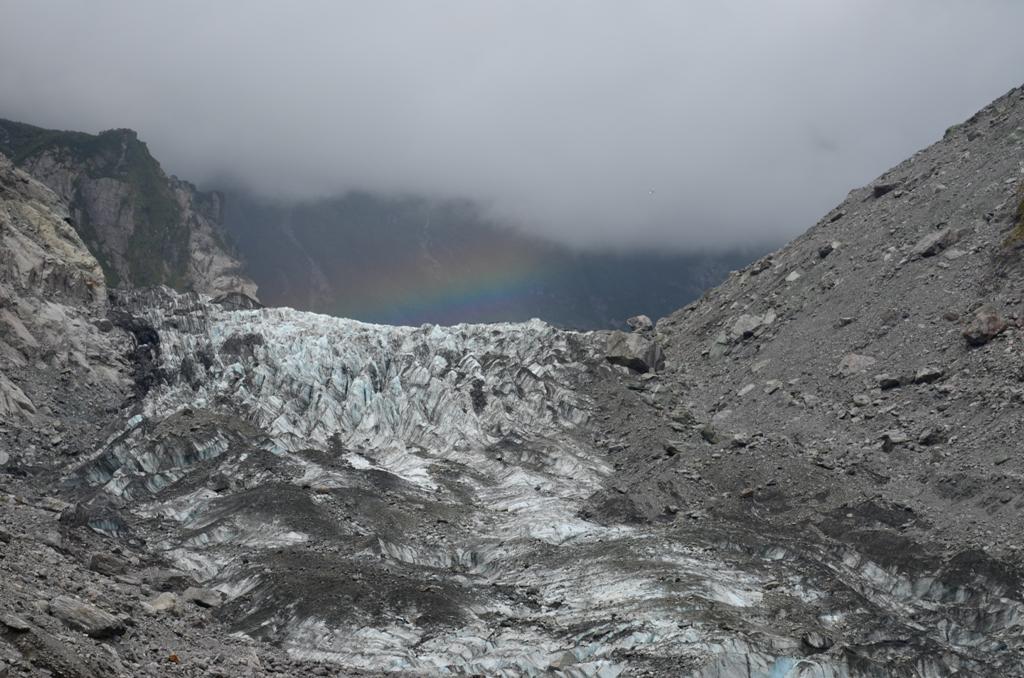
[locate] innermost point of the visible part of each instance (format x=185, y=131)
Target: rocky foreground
x=813, y=471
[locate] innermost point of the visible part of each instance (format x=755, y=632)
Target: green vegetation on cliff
x=157, y=250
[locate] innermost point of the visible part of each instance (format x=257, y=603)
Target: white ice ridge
x=487, y=424
x=392, y=396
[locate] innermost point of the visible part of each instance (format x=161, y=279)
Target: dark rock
x=86, y=618
x=51, y=655
x=241, y=346
x=708, y=433
x=934, y=243
x=202, y=597
x=746, y=325
x=167, y=580
x=892, y=439
x=15, y=623
x=815, y=642
x=760, y=266
x=986, y=325
x=219, y=482
x=145, y=356
x=236, y=301
x=640, y=323
x=740, y=440
x=634, y=351
x=887, y=381
x=927, y=375
x=878, y=190
x=98, y=516
x=108, y=564
x=933, y=436
x=477, y=396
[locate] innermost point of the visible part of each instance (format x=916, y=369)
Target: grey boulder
x=634, y=351
x=202, y=597
x=986, y=325
x=934, y=243
x=640, y=323
x=86, y=618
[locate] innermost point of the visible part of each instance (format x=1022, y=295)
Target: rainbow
x=476, y=281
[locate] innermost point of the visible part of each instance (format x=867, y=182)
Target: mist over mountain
x=410, y=260
x=810, y=471
x=391, y=259
x=595, y=124
x=325, y=348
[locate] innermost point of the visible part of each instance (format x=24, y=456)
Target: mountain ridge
x=144, y=227
x=391, y=259
x=813, y=470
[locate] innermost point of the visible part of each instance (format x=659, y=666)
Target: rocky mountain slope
x=144, y=227
x=400, y=260
x=812, y=471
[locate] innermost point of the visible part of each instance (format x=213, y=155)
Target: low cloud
x=597, y=123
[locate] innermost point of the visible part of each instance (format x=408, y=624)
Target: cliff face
x=144, y=227
x=52, y=299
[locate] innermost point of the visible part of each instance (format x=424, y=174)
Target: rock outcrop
x=144, y=227
x=52, y=294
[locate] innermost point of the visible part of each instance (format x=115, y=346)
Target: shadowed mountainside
x=412, y=260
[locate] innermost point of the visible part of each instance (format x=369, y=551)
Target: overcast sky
x=595, y=122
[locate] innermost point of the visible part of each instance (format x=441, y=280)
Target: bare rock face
x=144, y=227
x=51, y=288
x=43, y=252
x=212, y=268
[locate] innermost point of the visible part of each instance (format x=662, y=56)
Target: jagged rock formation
x=51, y=291
x=144, y=227
x=812, y=471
